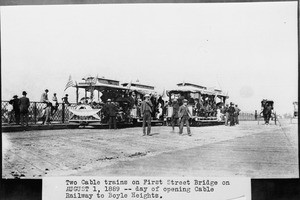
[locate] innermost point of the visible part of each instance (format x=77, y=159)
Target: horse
x=267, y=111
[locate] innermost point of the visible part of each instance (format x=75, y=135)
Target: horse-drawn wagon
x=267, y=111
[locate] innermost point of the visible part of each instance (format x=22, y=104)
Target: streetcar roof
x=138, y=86
x=192, y=89
x=101, y=86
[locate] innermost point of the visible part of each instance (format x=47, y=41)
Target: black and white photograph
x=159, y=90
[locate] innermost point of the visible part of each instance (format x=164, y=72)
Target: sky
x=249, y=50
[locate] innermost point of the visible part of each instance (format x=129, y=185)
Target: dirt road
x=249, y=149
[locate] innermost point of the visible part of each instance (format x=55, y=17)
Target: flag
x=69, y=83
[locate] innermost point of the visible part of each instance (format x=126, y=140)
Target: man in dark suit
x=184, y=116
x=16, y=108
x=226, y=112
x=231, y=111
x=111, y=110
x=146, y=110
x=175, y=117
x=24, y=104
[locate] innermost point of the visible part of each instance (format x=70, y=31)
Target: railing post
x=275, y=119
x=34, y=112
x=63, y=112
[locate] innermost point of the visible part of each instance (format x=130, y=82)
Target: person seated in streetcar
x=165, y=108
x=213, y=111
x=197, y=107
x=139, y=107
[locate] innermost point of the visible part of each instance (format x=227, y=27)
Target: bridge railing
x=35, y=112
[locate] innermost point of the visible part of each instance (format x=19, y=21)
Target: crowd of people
x=230, y=114
x=124, y=106
x=151, y=107
x=18, y=108
x=181, y=114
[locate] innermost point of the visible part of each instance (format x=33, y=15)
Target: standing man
x=47, y=114
x=65, y=100
x=54, y=104
x=16, y=108
x=24, y=108
x=175, y=117
x=146, y=110
x=184, y=116
x=44, y=97
x=231, y=111
x=255, y=115
x=236, y=114
x=226, y=111
x=111, y=110
x=10, y=109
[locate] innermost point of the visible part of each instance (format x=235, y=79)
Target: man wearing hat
x=197, y=107
x=111, y=110
x=16, y=108
x=184, y=116
x=226, y=112
x=24, y=104
x=231, y=111
x=146, y=110
x=236, y=114
x=175, y=117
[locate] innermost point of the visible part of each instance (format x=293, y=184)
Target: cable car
x=210, y=99
x=90, y=108
x=127, y=97
x=137, y=93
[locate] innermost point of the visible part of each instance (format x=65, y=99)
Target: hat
x=108, y=99
x=54, y=93
x=147, y=95
x=184, y=100
x=231, y=103
x=24, y=92
x=67, y=95
x=15, y=96
x=47, y=90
